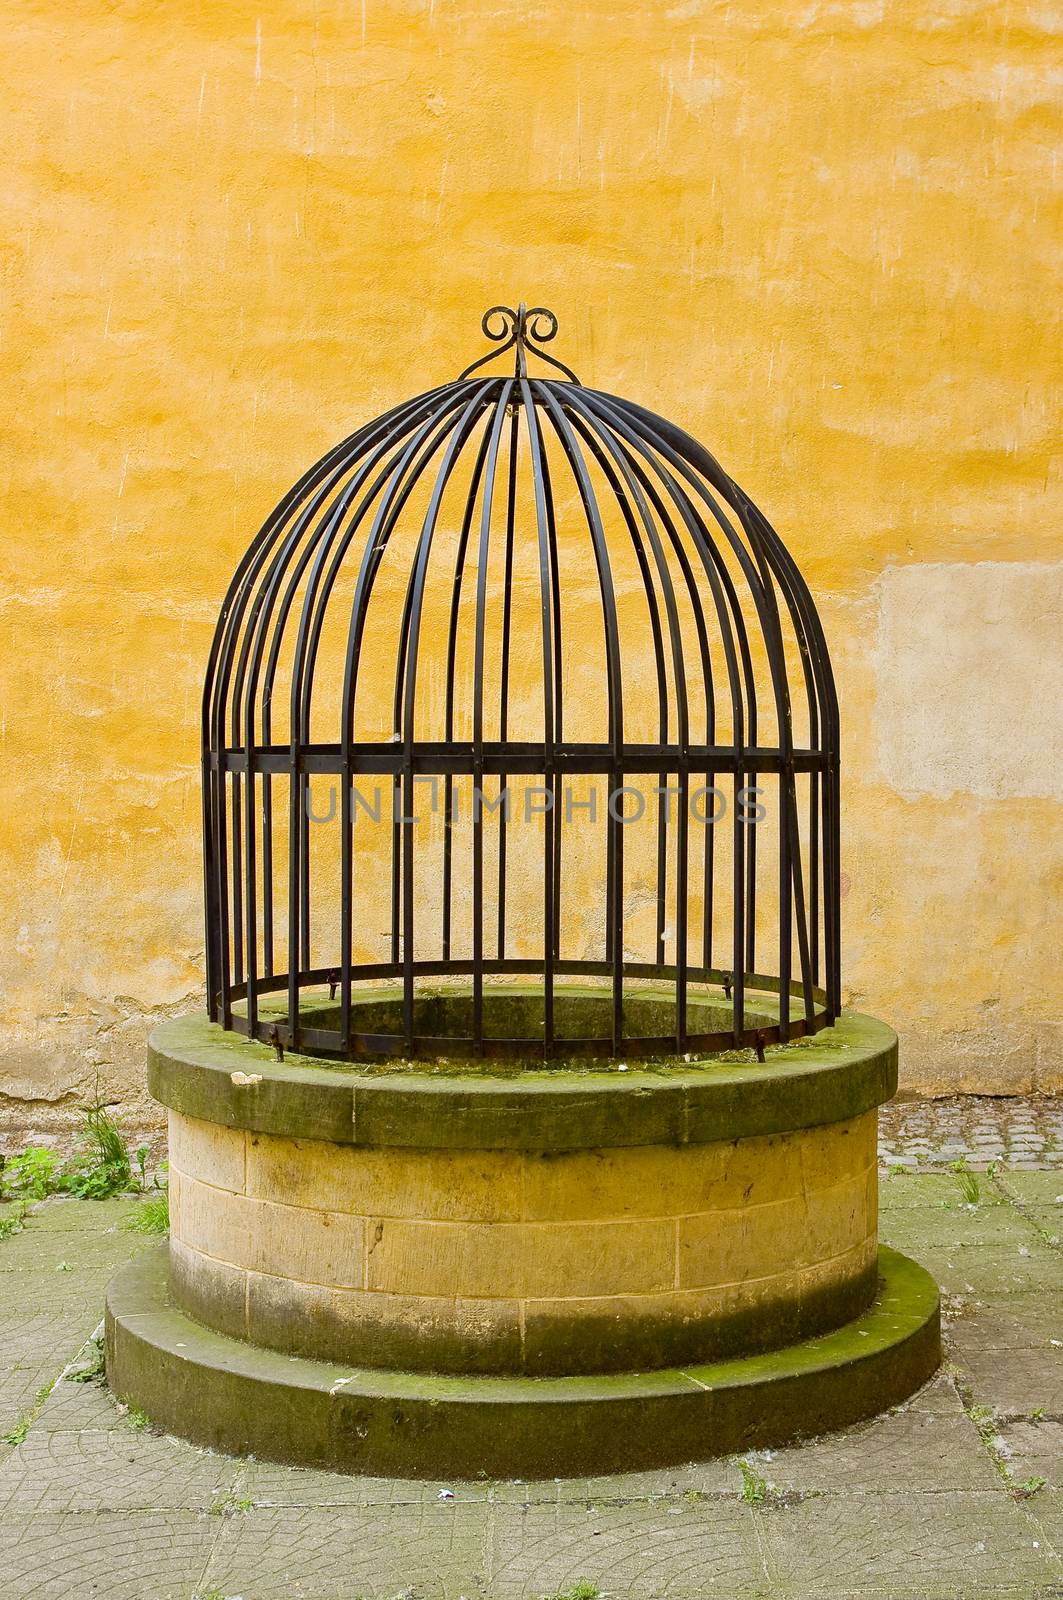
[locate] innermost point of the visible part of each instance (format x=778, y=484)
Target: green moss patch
x=228, y=1395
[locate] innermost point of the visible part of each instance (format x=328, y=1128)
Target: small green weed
x=151, y=1215
x=1037, y=1414
x=968, y=1181
x=31, y=1174
x=137, y=1419
x=578, y=1591
x=140, y=1156
x=1026, y=1491
x=229, y=1502
x=92, y=1371
x=101, y=1167
x=15, y=1222
x=985, y=1420
x=18, y=1432
x=754, y=1487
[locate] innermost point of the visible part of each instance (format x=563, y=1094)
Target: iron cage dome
x=515, y=582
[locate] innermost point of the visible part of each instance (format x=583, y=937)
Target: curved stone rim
x=227, y=1395
x=200, y=1070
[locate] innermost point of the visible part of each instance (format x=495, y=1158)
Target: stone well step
x=233, y=1396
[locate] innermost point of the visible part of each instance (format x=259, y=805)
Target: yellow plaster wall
x=821, y=235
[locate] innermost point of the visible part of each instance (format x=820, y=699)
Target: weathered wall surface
x=822, y=236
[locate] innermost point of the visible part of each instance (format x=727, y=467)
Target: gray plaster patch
x=969, y=679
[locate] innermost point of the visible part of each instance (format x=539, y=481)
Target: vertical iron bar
x=325, y=477
x=503, y=690
x=559, y=694
x=408, y=658
x=738, y=935
x=295, y=898
x=628, y=484
x=478, y=721
x=554, y=399
x=786, y=785
x=807, y=978
x=267, y=875
x=813, y=869
x=210, y=915
x=250, y=887
x=401, y=479
x=448, y=719
x=680, y=450
x=537, y=455
x=237, y=880
x=728, y=614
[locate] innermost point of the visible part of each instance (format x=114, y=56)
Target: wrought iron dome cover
x=511, y=586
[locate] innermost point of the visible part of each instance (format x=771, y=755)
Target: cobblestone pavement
x=958, y=1494
x=977, y=1128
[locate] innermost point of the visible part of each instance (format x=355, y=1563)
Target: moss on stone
x=197, y=1068
x=229, y=1395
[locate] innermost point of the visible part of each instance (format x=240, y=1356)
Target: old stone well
x=525, y=1134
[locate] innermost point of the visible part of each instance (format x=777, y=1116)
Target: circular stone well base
x=228, y=1395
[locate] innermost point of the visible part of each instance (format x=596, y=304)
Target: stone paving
x=958, y=1494
x=977, y=1128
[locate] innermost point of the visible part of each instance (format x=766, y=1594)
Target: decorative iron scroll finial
x=522, y=331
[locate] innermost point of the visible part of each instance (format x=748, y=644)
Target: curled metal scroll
x=521, y=330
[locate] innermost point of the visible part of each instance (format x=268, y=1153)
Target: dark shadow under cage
x=520, y=737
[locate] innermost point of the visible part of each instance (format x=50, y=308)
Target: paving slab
x=146, y=1555
x=76, y=1407
x=954, y=1225
x=1035, y=1450
x=688, y=1549
x=909, y=1451
x=940, y=1396
x=1046, y=1512
x=919, y=1191
x=1034, y=1188
x=47, y=1254
x=697, y=1480
x=720, y=1478
x=116, y=1469
x=434, y=1552
x=64, y=1214
x=1048, y=1220
x=1028, y=1320
x=994, y=1270
x=1017, y=1383
x=913, y=1545
x=272, y=1487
